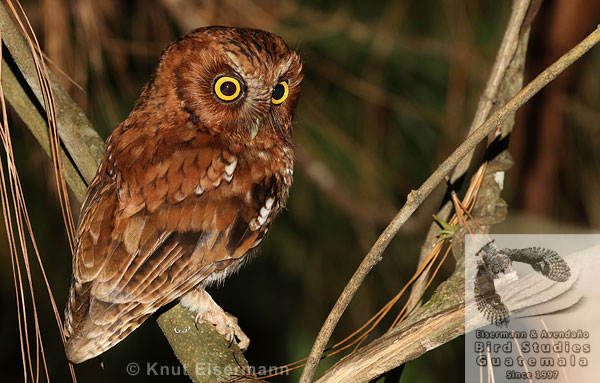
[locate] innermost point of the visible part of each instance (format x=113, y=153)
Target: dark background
x=390, y=90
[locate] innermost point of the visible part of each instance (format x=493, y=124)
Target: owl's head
x=243, y=82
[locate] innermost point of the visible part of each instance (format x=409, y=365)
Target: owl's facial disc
x=242, y=82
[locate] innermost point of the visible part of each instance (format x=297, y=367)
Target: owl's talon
x=207, y=310
x=226, y=325
x=197, y=321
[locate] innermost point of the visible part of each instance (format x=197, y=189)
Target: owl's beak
x=254, y=129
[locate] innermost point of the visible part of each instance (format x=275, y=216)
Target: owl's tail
x=93, y=326
x=91, y=340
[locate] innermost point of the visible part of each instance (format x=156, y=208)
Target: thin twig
x=506, y=52
x=504, y=58
x=416, y=197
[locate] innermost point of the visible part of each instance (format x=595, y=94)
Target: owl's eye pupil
x=228, y=88
x=278, y=92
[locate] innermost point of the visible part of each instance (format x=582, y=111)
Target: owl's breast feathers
x=163, y=216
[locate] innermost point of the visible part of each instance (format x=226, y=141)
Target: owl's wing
x=152, y=232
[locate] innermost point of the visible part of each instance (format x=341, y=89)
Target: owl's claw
x=207, y=310
x=226, y=325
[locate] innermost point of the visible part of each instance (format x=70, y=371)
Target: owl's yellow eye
x=280, y=93
x=227, y=88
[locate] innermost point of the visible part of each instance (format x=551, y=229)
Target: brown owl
x=187, y=187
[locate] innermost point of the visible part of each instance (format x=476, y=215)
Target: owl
x=187, y=188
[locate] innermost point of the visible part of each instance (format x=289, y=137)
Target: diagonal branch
x=416, y=197
x=84, y=147
x=450, y=316
x=506, y=59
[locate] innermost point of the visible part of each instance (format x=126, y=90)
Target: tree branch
x=447, y=315
x=416, y=197
x=489, y=98
x=82, y=142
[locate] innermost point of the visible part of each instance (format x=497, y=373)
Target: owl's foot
x=207, y=310
x=226, y=325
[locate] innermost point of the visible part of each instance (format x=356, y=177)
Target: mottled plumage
x=188, y=185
